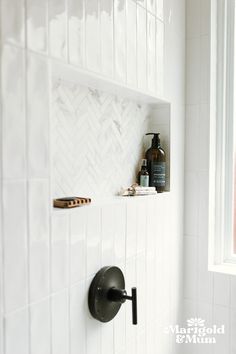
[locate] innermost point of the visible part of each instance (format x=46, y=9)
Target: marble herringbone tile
x=97, y=141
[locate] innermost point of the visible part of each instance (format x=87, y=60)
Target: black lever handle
x=120, y=295
x=134, y=306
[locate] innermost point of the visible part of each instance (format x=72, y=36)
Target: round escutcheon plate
x=100, y=306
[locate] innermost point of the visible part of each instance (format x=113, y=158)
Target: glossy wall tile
x=48, y=258
x=57, y=17
x=107, y=37
x=76, y=32
x=13, y=113
x=37, y=25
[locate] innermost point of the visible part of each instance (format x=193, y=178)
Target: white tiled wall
x=207, y=295
x=47, y=258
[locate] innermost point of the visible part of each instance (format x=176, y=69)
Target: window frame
x=222, y=127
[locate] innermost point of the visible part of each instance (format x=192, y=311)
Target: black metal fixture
x=107, y=293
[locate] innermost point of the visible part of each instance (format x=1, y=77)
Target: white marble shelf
x=72, y=73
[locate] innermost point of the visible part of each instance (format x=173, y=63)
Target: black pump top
x=156, y=142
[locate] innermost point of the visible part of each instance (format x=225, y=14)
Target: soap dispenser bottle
x=156, y=160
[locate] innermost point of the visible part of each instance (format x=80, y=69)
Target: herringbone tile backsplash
x=97, y=140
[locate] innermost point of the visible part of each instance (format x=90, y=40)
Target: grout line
x=85, y=275
x=27, y=174
x=49, y=182
x=67, y=49
x=2, y=253
x=27, y=171
x=113, y=43
x=69, y=281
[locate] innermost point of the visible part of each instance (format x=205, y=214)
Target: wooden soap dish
x=70, y=202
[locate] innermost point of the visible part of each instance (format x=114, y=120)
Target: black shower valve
x=107, y=293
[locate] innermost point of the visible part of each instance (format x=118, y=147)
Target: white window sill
x=224, y=268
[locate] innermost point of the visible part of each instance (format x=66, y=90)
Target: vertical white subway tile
x=17, y=333
x=78, y=245
x=60, y=323
x=150, y=286
x=130, y=281
x=150, y=337
x=59, y=252
x=38, y=116
x=192, y=138
x=120, y=40
x=152, y=231
x=141, y=47
x=131, y=229
x=106, y=18
x=205, y=17
x=221, y=316
x=204, y=130
x=92, y=44
x=39, y=238
x=151, y=6
x=15, y=245
x=205, y=278
x=76, y=27
x=107, y=338
x=193, y=71
x=37, y=25
x=94, y=241
x=40, y=335
x=13, y=22
x=131, y=30
x=233, y=292
x=78, y=306
x=93, y=329
x=13, y=112
x=221, y=289
x=142, y=3
x=141, y=226
x=193, y=18
x=159, y=57
x=120, y=233
x=203, y=210
x=131, y=344
x=160, y=9
x=189, y=310
x=120, y=331
x=205, y=69
x=151, y=52
x=141, y=343
x=190, y=268
x=191, y=204
x=141, y=286
x=1, y=335
x=57, y=28
x=232, y=330
x=1, y=267
x=205, y=311
x=108, y=229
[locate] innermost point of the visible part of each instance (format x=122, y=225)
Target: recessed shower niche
x=98, y=134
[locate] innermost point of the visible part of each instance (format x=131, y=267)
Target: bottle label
x=144, y=181
x=158, y=174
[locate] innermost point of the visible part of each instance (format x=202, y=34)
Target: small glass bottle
x=144, y=175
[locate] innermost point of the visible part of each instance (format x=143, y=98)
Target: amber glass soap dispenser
x=156, y=160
